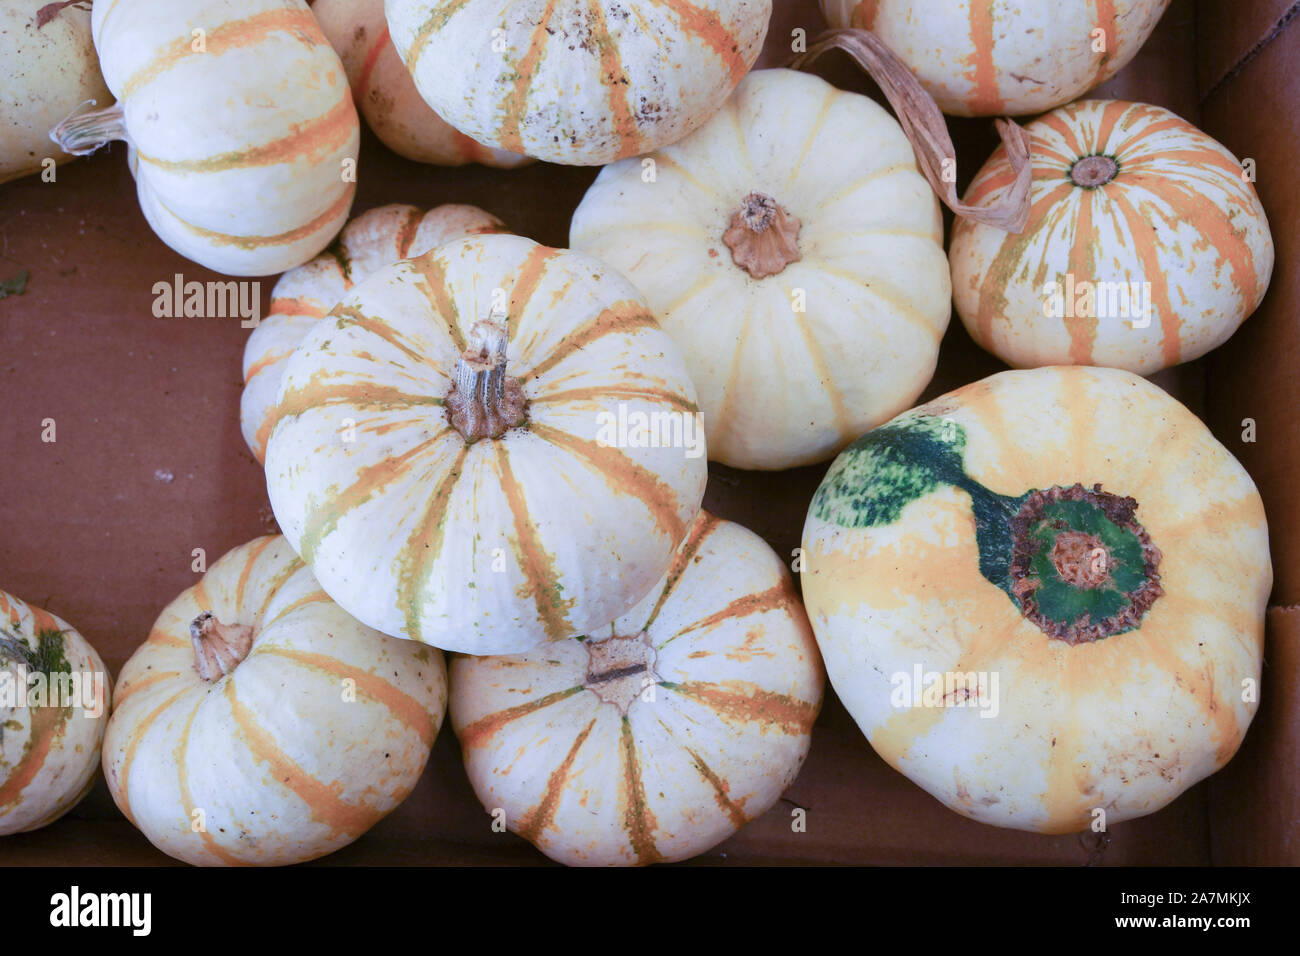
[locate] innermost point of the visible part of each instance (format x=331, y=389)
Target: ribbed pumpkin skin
x=404, y=524
x=1179, y=215
x=305, y=295
x=48, y=755
x=997, y=57
x=238, y=151
x=577, y=83
x=682, y=754
x=779, y=387
x=386, y=94
x=315, y=736
x=46, y=72
x=1125, y=723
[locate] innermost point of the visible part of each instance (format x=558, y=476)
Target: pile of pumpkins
x=632, y=678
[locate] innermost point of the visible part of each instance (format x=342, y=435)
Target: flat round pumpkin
x=261, y=725
x=805, y=281
x=1005, y=57
x=1042, y=596
x=386, y=95
x=239, y=124
x=487, y=446
x=577, y=83
x=54, y=693
x=659, y=737
x=1146, y=245
x=304, y=295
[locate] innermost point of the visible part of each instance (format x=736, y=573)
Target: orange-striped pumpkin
x=581, y=84
x=1146, y=244
x=458, y=449
x=48, y=68
x=240, y=127
x=806, y=283
x=1042, y=596
x=386, y=94
x=54, y=693
x=660, y=736
x=259, y=724
x=995, y=57
x=305, y=295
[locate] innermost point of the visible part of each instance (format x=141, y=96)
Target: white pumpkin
x=805, y=282
x=487, y=446
x=386, y=95
x=577, y=83
x=261, y=725
x=660, y=736
x=48, y=68
x=993, y=57
x=1146, y=246
x=240, y=127
x=54, y=693
x=305, y=295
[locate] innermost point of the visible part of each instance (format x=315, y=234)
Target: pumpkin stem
x=763, y=237
x=1093, y=171
x=620, y=669
x=218, y=648
x=484, y=402
x=1082, y=567
x=81, y=133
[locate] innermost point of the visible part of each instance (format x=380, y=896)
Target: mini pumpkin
x=663, y=734
x=54, y=693
x=304, y=295
x=581, y=84
x=239, y=126
x=487, y=446
x=261, y=725
x=806, y=283
x=386, y=94
x=1042, y=596
x=1146, y=244
x=993, y=57
x=48, y=68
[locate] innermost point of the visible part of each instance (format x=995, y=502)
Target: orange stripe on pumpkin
x=254, y=553
x=370, y=481
x=535, y=821
x=618, y=84
x=863, y=16
x=368, y=65
x=1143, y=243
x=721, y=791
x=336, y=210
x=623, y=475
x=705, y=524
x=1106, y=23
x=516, y=102
x=626, y=316
x=137, y=735
x=1082, y=263
x=600, y=394
x=734, y=701
x=706, y=25
x=126, y=691
x=311, y=141
x=47, y=723
x=437, y=20
x=234, y=35
x=984, y=98
x=638, y=820
x=435, y=289
x=536, y=563
x=526, y=283
x=323, y=802
x=424, y=546
x=779, y=596
x=181, y=756
x=292, y=306
x=399, y=703
x=474, y=735
x=349, y=315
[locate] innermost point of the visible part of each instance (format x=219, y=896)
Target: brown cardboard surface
x=99, y=526
x=1230, y=31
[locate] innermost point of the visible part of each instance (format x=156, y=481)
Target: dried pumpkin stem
x=218, y=648
x=1093, y=171
x=485, y=402
x=81, y=133
x=763, y=237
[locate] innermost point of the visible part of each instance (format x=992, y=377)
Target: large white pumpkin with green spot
x=1042, y=596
